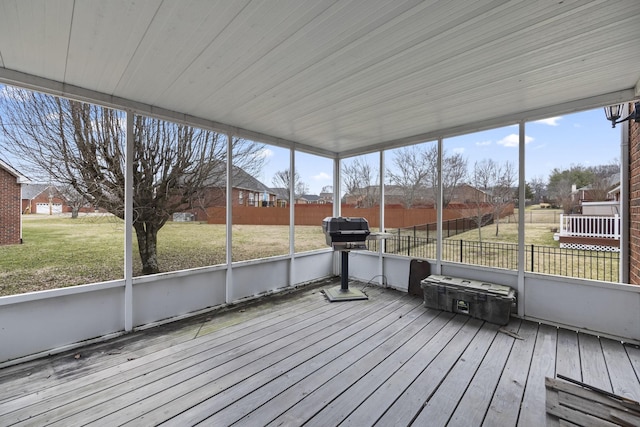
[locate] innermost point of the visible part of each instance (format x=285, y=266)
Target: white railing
x=590, y=226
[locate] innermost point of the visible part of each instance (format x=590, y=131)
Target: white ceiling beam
x=51, y=87
x=510, y=119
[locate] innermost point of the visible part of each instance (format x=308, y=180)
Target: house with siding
x=11, y=182
x=309, y=199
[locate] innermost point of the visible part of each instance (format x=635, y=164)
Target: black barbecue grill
x=345, y=234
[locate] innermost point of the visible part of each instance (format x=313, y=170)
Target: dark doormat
x=419, y=269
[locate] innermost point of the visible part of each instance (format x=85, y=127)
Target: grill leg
x=344, y=275
x=342, y=292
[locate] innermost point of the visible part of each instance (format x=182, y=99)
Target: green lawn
x=59, y=251
x=542, y=253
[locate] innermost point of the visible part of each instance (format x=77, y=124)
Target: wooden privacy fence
x=395, y=216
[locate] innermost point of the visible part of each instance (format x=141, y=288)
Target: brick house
x=634, y=201
x=246, y=191
x=282, y=196
x=10, y=219
x=423, y=197
x=42, y=199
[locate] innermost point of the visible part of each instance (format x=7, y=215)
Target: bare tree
x=74, y=199
x=496, y=184
x=327, y=189
x=361, y=181
x=409, y=172
x=538, y=187
x=454, y=171
x=83, y=146
x=282, y=179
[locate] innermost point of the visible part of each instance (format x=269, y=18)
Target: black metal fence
x=450, y=227
x=595, y=265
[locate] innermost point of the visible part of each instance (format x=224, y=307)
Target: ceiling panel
x=333, y=76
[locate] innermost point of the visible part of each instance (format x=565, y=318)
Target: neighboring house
x=246, y=191
x=282, y=196
x=11, y=182
x=602, y=191
x=614, y=193
x=595, y=223
x=326, y=197
x=465, y=193
x=309, y=199
x=421, y=197
x=42, y=199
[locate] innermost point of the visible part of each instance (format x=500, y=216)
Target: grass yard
x=59, y=251
x=534, y=234
x=542, y=253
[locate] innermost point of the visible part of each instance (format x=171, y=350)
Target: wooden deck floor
x=300, y=360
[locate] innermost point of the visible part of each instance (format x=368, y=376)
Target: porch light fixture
x=613, y=113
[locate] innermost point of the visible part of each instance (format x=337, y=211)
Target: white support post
x=439, y=208
x=229, y=221
x=128, y=226
x=337, y=209
x=521, y=225
x=292, y=216
x=381, y=246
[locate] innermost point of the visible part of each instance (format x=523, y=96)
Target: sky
x=584, y=138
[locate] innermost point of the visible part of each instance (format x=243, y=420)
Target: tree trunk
x=147, y=235
x=74, y=212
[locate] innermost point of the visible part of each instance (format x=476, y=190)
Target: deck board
x=543, y=362
x=568, y=355
x=594, y=367
x=326, y=384
x=297, y=359
x=442, y=355
x=476, y=400
x=317, y=370
x=505, y=404
x=623, y=378
x=441, y=406
x=215, y=374
x=183, y=358
x=264, y=369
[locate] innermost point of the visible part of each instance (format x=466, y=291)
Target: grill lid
x=345, y=232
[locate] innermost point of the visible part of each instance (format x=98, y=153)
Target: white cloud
x=265, y=153
x=483, y=143
x=513, y=139
x=551, y=121
x=458, y=150
x=321, y=177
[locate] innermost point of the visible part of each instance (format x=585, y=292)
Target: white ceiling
x=333, y=77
